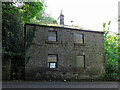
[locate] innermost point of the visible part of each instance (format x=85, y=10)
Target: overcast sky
x=89, y=14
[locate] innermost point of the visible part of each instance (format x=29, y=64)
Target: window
x=79, y=38
x=52, y=36
x=52, y=65
x=80, y=61
x=52, y=61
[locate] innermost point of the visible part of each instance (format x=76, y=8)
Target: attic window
x=80, y=61
x=79, y=38
x=52, y=36
x=52, y=61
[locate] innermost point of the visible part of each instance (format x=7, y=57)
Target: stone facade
x=66, y=50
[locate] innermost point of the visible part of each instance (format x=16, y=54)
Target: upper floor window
x=79, y=38
x=52, y=36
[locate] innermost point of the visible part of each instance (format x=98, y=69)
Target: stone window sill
x=51, y=42
x=53, y=69
x=82, y=68
x=80, y=44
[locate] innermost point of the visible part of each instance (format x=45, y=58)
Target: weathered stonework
x=36, y=55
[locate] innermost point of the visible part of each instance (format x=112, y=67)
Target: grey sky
x=89, y=14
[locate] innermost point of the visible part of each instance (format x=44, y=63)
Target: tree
x=119, y=44
x=13, y=19
x=13, y=22
x=111, y=52
x=44, y=18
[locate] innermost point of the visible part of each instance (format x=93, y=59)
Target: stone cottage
x=63, y=53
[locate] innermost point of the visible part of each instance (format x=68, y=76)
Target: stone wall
x=36, y=55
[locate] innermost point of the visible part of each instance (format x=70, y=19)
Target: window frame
x=48, y=36
x=82, y=38
x=55, y=65
x=53, y=61
x=76, y=62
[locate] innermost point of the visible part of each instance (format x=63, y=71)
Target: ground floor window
x=52, y=61
x=80, y=61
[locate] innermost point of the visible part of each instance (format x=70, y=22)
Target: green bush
x=111, y=53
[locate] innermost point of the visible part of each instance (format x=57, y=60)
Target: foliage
x=111, y=52
x=13, y=19
x=44, y=18
x=12, y=31
x=30, y=36
x=30, y=10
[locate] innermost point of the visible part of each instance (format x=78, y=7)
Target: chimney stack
x=61, y=18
